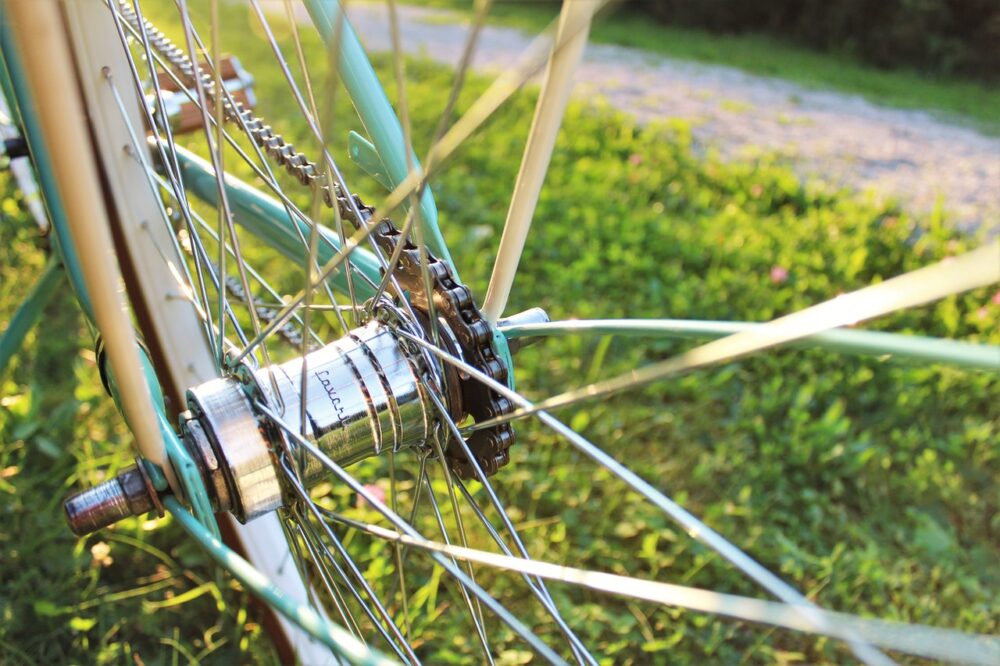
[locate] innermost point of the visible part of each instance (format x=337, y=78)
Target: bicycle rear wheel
x=414, y=370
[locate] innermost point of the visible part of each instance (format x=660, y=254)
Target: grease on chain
x=452, y=301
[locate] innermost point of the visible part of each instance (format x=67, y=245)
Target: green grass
x=140, y=594
x=868, y=484
x=967, y=102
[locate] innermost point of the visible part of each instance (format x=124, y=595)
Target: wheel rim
x=309, y=522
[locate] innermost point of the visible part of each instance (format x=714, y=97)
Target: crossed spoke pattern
x=453, y=550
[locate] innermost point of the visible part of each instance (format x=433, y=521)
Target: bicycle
x=247, y=403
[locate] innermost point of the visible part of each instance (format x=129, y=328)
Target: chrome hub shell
x=362, y=395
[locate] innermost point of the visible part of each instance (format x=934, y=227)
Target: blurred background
x=939, y=38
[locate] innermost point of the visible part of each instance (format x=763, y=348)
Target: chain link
x=452, y=301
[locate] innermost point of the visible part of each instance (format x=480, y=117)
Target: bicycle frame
x=389, y=160
x=265, y=218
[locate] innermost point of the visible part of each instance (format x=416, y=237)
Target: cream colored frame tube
x=173, y=319
x=38, y=28
x=571, y=38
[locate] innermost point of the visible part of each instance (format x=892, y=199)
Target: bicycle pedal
x=180, y=109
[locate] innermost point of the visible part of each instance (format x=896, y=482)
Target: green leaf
x=82, y=623
x=46, y=608
x=48, y=447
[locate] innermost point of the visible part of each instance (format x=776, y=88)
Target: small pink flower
x=375, y=491
x=982, y=313
x=778, y=274
x=635, y=159
x=996, y=298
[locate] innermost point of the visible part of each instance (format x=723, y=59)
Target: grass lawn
x=140, y=593
x=967, y=102
x=868, y=484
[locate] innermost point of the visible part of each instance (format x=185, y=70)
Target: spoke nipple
x=128, y=494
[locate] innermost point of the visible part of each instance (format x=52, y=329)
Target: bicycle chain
x=266, y=314
x=453, y=301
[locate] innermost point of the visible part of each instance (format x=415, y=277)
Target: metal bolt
x=128, y=494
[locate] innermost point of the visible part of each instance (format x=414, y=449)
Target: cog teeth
x=490, y=447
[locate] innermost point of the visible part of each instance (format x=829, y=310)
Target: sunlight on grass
x=869, y=485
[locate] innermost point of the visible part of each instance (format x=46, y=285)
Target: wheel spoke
x=974, y=269
x=918, y=640
x=225, y=217
x=414, y=212
x=319, y=549
x=198, y=250
x=352, y=243
x=398, y=551
x=695, y=528
x=540, y=592
x=167, y=157
x=312, y=116
x=385, y=625
x=482, y=109
x=226, y=223
x=332, y=170
x=205, y=227
x=295, y=533
x=330, y=96
x=262, y=170
x=499, y=610
x=475, y=612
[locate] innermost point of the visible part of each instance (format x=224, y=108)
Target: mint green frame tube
x=334, y=637
x=19, y=100
x=874, y=343
x=29, y=311
x=382, y=125
x=375, y=111
x=268, y=219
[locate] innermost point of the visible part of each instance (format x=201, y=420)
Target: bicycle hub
x=352, y=399
x=367, y=393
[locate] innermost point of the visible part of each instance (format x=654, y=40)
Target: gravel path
x=839, y=138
